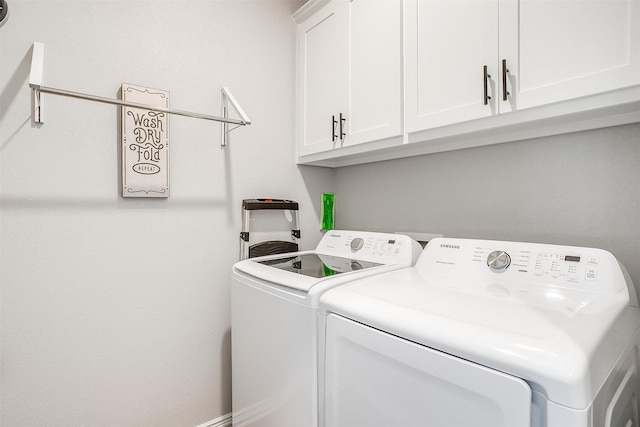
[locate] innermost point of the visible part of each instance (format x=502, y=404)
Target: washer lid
x=302, y=270
x=562, y=340
x=317, y=265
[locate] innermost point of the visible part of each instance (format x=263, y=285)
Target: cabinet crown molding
x=309, y=8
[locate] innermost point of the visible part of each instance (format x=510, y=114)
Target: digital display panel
x=572, y=258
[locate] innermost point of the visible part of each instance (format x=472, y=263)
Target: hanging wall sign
x=145, y=144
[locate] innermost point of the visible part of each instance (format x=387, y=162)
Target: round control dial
x=498, y=261
x=357, y=244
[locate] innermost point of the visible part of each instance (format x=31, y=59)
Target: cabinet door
x=374, y=98
x=447, y=45
x=566, y=49
x=322, y=63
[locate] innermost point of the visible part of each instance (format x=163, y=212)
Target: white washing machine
x=484, y=334
x=274, y=301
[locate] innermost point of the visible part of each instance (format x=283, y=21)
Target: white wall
x=576, y=189
x=116, y=312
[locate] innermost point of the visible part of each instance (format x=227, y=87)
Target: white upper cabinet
x=567, y=49
x=349, y=75
x=322, y=65
x=535, y=52
x=448, y=44
x=383, y=79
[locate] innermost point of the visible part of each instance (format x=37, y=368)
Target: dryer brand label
x=449, y=246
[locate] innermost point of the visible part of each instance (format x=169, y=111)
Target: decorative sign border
x=145, y=144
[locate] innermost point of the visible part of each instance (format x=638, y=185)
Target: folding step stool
x=269, y=247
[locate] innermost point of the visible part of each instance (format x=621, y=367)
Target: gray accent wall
x=578, y=189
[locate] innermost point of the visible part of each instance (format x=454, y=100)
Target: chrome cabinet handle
x=487, y=76
x=505, y=70
x=342, y=122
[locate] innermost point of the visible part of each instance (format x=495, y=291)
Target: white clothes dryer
x=274, y=301
x=484, y=334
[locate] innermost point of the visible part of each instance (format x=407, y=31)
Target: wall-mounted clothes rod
x=54, y=91
x=36, y=84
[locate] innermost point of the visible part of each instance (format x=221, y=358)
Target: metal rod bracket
x=228, y=98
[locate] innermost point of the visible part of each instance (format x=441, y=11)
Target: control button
x=555, y=273
x=539, y=271
x=357, y=244
x=592, y=260
x=591, y=273
x=498, y=261
x=572, y=277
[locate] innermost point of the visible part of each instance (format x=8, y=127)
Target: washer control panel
x=384, y=248
x=550, y=265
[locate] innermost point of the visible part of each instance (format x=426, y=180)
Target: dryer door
x=374, y=379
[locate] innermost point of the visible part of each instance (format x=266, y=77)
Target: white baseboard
x=223, y=421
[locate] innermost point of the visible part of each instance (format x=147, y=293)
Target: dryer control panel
x=566, y=267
